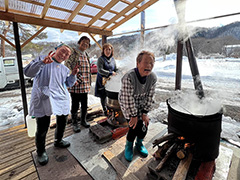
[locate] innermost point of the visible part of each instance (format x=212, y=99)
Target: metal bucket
x=204, y=131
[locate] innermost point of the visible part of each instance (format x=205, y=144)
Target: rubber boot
x=103, y=103
x=75, y=125
x=43, y=158
x=61, y=124
x=141, y=149
x=84, y=117
x=40, y=138
x=128, y=153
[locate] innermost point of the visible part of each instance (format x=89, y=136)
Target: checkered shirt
x=136, y=98
x=84, y=74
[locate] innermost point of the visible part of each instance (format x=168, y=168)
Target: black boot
x=61, y=124
x=103, y=103
x=62, y=144
x=84, y=117
x=75, y=125
x=40, y=138
x=42, y=158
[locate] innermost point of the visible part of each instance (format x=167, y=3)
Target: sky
x=163, y=13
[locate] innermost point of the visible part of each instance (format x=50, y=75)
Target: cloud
x=54, y=35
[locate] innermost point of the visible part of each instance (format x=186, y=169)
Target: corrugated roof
x=91, y=16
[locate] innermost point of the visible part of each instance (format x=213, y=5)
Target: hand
x=145, y=119
x=133, y=122
x=75, y=69
x=76, y=83
x=48, y=59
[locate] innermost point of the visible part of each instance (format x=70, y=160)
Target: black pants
x=140, y=131
x=103, y=102
x=76, y=99
x=42, y=129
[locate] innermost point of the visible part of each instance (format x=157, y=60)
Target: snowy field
x=220, y=79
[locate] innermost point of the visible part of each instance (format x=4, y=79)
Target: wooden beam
x=146, y=5
x=178, y=77
x=48, y=23
x=33, y=36
x=124, y=11
x=99, y=7
x=95, y=40
x=127, y=2
x=194, y=69
x=6, y=5
x=9, y=42
x=183, y=167
x=76, y=10
x=102, y=12
x=62, y=9
x=122, y=171
x=45, y=9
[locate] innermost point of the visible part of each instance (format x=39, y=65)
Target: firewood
x=161, y=151
x=168, y=154
x=164, y=138
x=183, y=168
x=181, y=154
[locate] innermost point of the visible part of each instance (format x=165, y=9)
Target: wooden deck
x=15, y=151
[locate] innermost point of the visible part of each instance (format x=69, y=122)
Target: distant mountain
x=232, y=29
x=206, y=41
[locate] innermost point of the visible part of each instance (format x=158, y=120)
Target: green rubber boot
x=140, y=147
x=128, y=151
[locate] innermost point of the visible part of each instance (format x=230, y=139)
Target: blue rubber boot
x=141, y=149
x=128, y=151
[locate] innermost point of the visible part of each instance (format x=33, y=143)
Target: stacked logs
x=172, y=144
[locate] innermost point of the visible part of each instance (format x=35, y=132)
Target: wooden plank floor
x=15, y=151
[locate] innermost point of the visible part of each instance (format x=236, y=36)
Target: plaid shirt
x=84, y=74
x=136, y=98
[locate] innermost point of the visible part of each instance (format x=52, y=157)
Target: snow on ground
x=220, y=77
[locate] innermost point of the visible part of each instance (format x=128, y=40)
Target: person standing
x=50, y=96
x=136, y=99
x=79, y=92
x=106, y=67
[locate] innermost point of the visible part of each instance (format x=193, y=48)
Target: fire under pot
x=115, y=115
x=202, y=130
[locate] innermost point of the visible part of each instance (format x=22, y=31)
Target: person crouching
x=136, y=99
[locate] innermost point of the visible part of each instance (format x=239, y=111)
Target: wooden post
x=178, y=77
x=180, y=9
x=20, y=70
x=142, y=27
x=104, y=40
x=194, y=69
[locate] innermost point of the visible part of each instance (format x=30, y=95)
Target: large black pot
x=112, y=94
x=204, y=131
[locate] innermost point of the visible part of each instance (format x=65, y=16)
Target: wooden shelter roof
x=91, y=16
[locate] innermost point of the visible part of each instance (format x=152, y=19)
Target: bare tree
x=25, y=32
